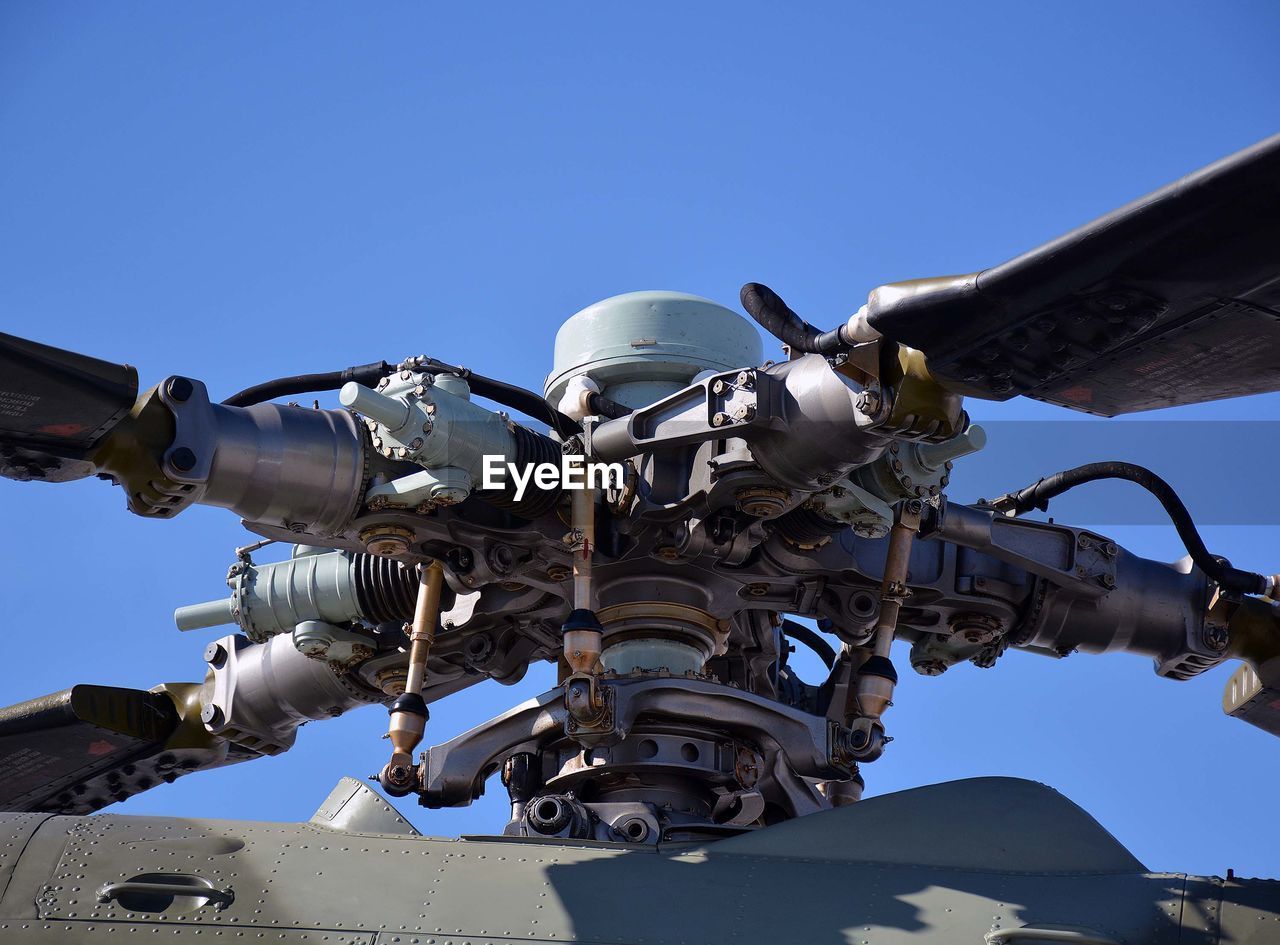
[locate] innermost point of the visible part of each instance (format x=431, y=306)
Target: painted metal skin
x=1023, y=865
x=710, y=803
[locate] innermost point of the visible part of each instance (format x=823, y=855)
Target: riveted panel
x=423, y=891
x=15, y=832
x=55, y=932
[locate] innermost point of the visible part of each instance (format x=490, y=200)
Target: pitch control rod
x=583, y=635
x=876, y=676
x=409, y=711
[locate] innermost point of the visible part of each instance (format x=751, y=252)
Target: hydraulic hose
x=517, y=398
x=1037, y=496
x=602, y=406
x=366, y=374
x=812, y=639
x=773, y=314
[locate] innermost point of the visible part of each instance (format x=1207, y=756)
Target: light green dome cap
x=640, y=338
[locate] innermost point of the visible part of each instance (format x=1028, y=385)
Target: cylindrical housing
x=826, y=433
x=288, y=466
x=334, y=587
x=213, y=613
x=261, y=693
x=388, y=411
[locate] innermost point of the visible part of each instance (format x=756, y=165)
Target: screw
x=720, y=419
x=718, y=387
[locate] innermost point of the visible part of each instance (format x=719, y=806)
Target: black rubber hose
x=1037, y=496
x=517, y=398
x=774, y=315
x=366, y=374
x=604, y=407
x=812, y=639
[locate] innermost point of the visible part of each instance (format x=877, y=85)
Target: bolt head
x=180, y=389
x=183, y=459
x=211, y=715
x=929, y=667
x=1216, y=637
x=448, y=495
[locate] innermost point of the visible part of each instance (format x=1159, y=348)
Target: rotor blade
x=1172, y=299
x=65, y=752
x=59, y=400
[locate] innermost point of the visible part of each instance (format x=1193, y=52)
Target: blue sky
x=238, y=191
